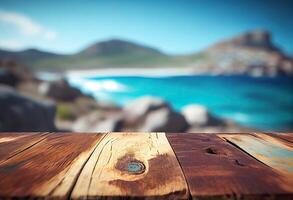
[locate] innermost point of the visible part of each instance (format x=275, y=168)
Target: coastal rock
x=20, y=113
x=21, y=72
x=199, y=116
x=143, y=114
x=59, y=90
x=252, y=53
x=165, y=120
x=98, y=122
x=74, y=109
x=138, y=109
x=257, y=39
x=8, y=78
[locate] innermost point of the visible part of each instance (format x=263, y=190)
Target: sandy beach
x=151, y=72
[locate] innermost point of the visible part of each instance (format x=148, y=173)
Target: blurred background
x=164, y=65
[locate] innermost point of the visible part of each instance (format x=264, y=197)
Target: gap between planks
x=58, y=190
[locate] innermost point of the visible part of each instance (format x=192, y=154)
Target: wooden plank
x=49, y=168
x=132, y=165
x=214, y=168
x=284, y=136
x=272, y=151
x=14, y=143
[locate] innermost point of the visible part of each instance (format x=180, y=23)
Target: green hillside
x=106, y=54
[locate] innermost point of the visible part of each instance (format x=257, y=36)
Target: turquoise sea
x=261, y=103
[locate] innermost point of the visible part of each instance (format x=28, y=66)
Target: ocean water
x=262, y=103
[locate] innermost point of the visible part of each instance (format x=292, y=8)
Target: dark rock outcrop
x=8, y=78
x=20, y=113
x=164, y=120
x=19, y=71
x=59, y=90
x=256, y=39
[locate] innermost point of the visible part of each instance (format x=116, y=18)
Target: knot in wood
x=135, y=167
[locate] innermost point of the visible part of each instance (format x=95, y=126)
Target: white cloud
x=26, y=25
x=10, y=44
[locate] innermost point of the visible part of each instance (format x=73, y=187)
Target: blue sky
x=176, y=27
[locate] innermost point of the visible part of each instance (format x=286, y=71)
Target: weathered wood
x=214, y=168
x=284, y=136
x=137, y=165
x=272, y=151
x=14, y=143
x=49, y=168
x=132, y=165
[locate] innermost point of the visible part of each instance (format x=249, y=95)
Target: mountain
x=26, y=55
x=117, y=47
x=111, y=53
x=252, y=53
x=258, y=39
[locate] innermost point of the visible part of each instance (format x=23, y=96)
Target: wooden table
x=146, y=166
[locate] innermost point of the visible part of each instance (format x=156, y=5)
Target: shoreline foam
x=146, y=72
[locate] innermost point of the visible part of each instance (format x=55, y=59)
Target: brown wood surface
x=287, y=136
x=14, y=143
x=49, y=168
x=214, y=168
x=96, y=166
x=106, y=174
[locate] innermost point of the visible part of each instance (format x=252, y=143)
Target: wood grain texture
x=14, y=143
x=274, y=152
x=284, y=136
x=107, y=174
x=47, y=169
x=214, y=168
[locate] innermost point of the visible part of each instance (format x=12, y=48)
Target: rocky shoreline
x=29, y=104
